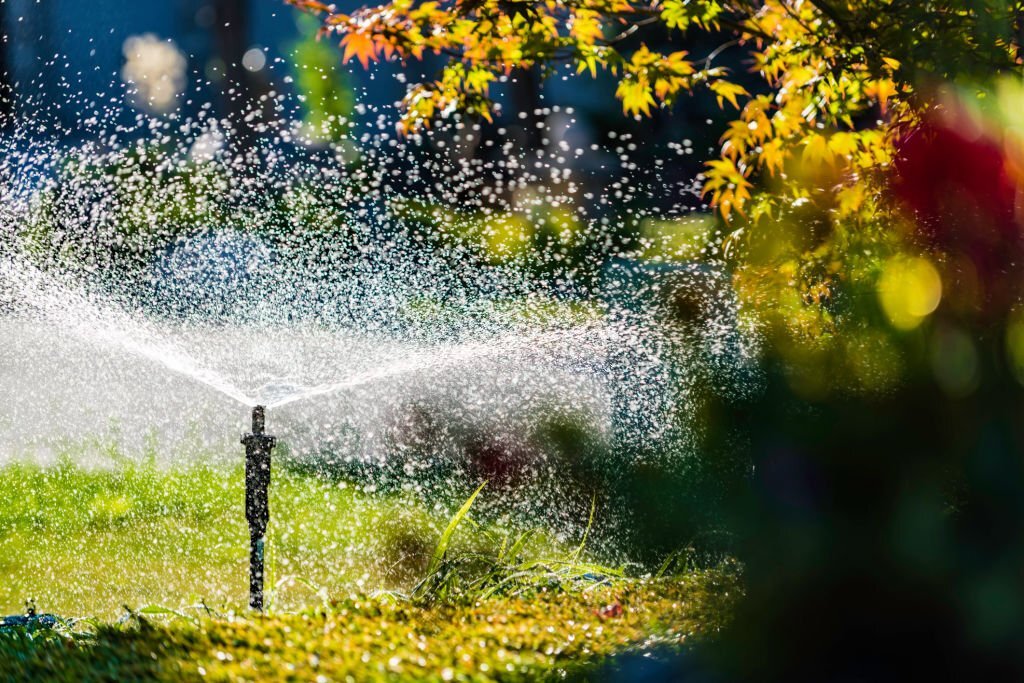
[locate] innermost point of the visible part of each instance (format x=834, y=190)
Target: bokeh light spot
x=909, y=290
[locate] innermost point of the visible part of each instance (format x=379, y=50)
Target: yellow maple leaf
x=728, y=186
x=850, y=199
x=585, y=26
x=881, y=90
x=816, y=150
x=478, y=80
x=587, y=63
x=736, y=139
x=843, y=144
x=772, y=156
x=635, y=95
x=727, y=91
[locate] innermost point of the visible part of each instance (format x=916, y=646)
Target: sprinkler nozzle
x=258, y=420
x=257, y=510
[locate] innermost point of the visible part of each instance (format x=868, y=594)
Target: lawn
x=146, y=567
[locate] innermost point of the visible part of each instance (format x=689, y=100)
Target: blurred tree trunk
x=6, y=85
x=231, y=33
x=526, y=98
x=1019, y=31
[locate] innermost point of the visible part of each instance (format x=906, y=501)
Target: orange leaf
x=360, y=46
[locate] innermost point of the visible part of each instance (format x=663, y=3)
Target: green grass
x=88, y=541
x=525, y=638
x=367, y=585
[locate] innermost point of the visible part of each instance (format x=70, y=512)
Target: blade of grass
x=586, y=533
x=519, y=544
x=669, y=561
x=449, y=532
x=160, y=610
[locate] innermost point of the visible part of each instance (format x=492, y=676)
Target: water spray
x=257, y=510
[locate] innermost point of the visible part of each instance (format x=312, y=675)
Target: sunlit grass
x=525, y=638
x=91, y=541
x=367, y=585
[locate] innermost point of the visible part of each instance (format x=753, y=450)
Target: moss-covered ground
x=524, y=638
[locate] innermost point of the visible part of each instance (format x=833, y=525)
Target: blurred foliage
x=537, y=237
x=324, y=90
x=886, y=448
x=147, y=195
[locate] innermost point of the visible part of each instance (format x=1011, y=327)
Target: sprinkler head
x=258, y=420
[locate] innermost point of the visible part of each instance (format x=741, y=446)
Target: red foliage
x=961, y=192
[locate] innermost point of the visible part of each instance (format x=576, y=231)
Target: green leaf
x=160, y=610
x=449, y=532
x=586, y=533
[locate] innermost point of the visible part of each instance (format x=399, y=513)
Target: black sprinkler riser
x=258, y=446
